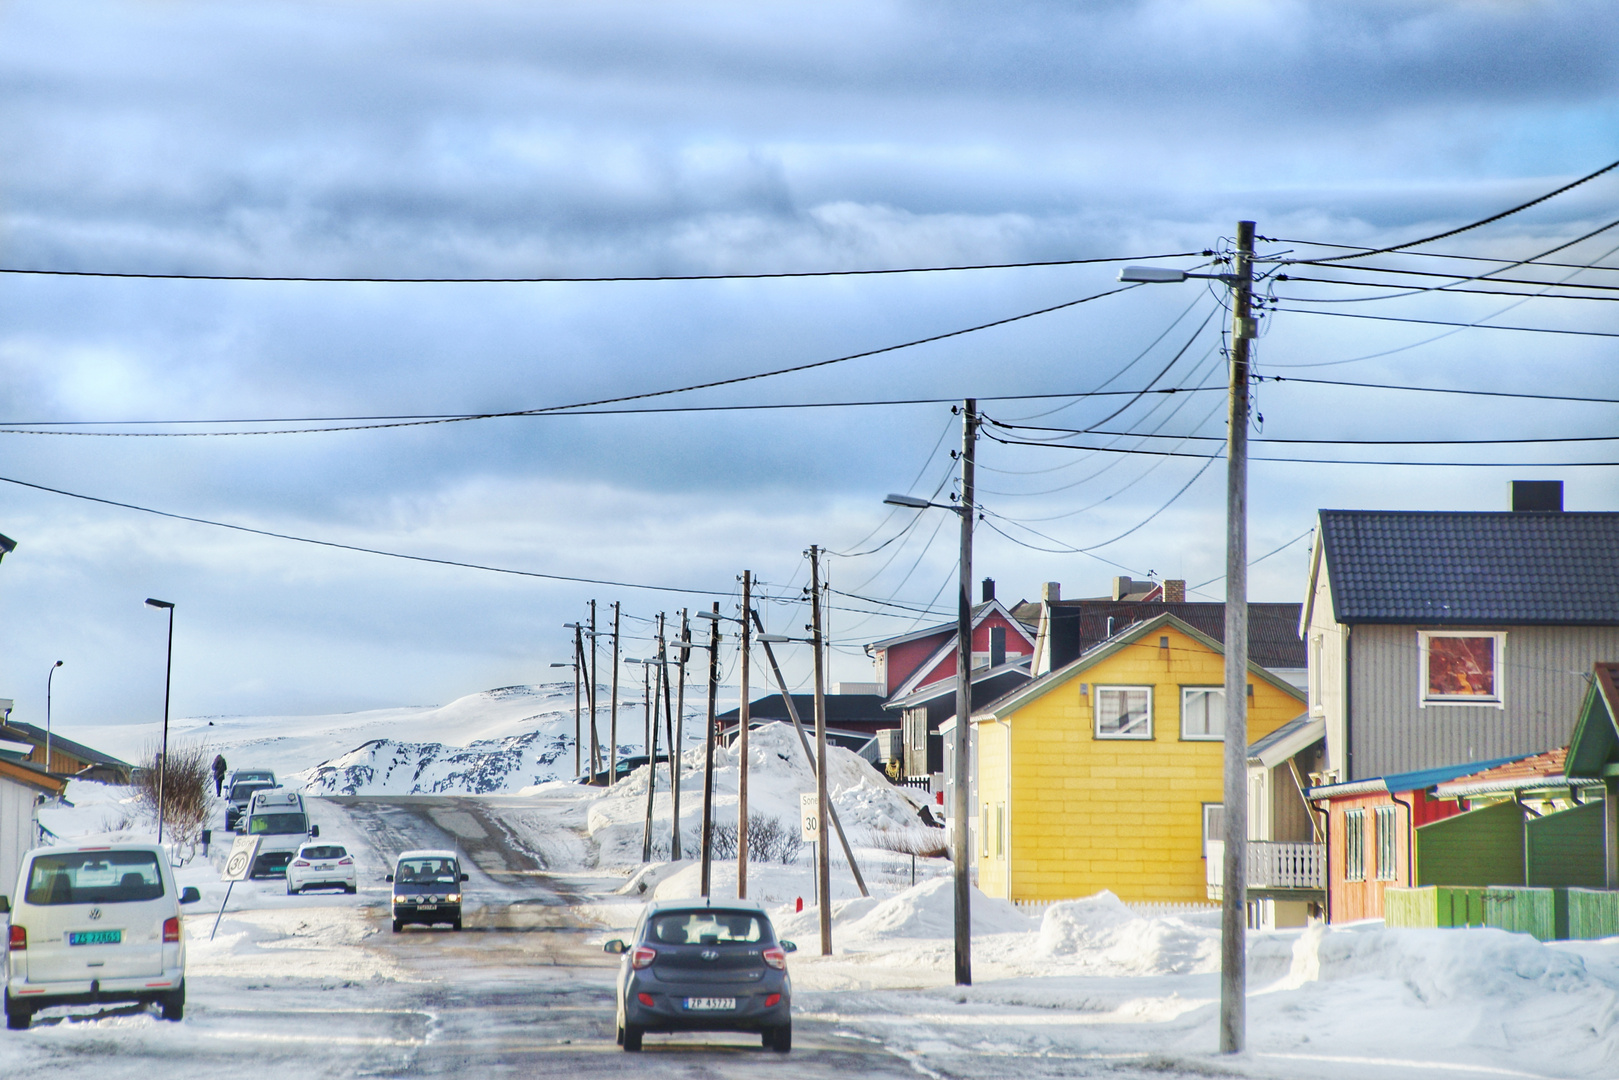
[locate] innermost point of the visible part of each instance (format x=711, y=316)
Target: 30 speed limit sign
x=809, y=816
x=240, y=860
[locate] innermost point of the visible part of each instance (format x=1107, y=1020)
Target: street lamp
x=960, y=810
x=1234, y=891
x=168, y=680
x=48, y=679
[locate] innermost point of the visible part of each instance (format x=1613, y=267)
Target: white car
x=91, y=925
x=321, y=866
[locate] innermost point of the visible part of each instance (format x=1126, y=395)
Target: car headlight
x=453, y=898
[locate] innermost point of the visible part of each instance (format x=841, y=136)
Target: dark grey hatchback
x=693, y=965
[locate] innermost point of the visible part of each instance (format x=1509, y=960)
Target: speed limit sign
x=809, y=816
x=240, y=860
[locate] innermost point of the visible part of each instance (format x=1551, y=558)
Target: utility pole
x=1233, y=910
x=672, y=752
x=708, y=754
x=742, y=746
x=823, y=850
x=652, y=742
x=595, y=741
x=578, y=731
x=678, y=738
x=612, y=722
x=960, y=849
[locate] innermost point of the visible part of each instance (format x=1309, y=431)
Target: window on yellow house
x=1000, y=830
x=1213, y=825
x=983, y=830
x=1123, y=712
x=1203, y=712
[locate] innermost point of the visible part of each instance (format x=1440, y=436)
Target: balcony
x=1277, y=870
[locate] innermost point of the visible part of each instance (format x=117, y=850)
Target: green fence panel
x=1483, y=845
x=1522, y=909
x=1592, y=913
x=1459, y=905
x=1411, y=908
x=1565, y=848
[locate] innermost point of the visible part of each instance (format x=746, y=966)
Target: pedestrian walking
x=219, y=774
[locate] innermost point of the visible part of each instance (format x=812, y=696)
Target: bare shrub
x=927, y=843
x=768, y=840
x=187, y=777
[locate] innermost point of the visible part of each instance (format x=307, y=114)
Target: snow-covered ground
x=1087, y=986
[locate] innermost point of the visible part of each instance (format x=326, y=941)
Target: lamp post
x=48, y=679
x=1234, y=891
x=960, y=810
x=168, y=680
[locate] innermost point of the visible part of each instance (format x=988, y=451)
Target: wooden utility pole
x=809, y=755
x=708, y=753
x=652, y=743
x=962, y=809
x=823, y=850
x=742, y=745
x=673, y=732
x=1234, y=895
x=612, y=722
x=578, y=731
x=595, y=740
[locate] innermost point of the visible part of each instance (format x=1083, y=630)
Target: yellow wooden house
x=1115, y=778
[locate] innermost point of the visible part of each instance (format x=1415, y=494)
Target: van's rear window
x=277, y=824
x=94, y=877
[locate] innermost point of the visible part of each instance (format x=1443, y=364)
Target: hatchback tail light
x=19, y=938
x=772, y=1000
x=345, y=862
x=642, y=957
x=171, y=929
x=776, y=957
x=300, y=862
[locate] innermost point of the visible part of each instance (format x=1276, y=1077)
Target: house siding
x=1121, y=814
x=1326, y=644
x=1543, y=687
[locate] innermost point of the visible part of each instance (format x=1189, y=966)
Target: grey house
x=1435, y=638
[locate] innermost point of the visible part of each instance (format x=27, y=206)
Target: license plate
x=426, y=907
x=324, y=866
x=95, y=937
x=710, y=1004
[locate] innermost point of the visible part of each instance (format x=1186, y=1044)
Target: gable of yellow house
x=1107, y=773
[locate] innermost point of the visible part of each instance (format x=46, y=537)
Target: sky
x=532, y=140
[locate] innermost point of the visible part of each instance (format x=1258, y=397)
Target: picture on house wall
x=1461, y=667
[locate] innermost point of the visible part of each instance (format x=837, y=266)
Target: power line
x=602, y=279
x=1438, y=390
x=1449, y=322
x=356, y=547
x=1316, y=461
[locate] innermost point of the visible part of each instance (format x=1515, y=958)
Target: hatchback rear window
x=326, y=851
x=708, y=927
x=94, y=877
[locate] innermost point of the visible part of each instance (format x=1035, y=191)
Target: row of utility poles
x=663, y=699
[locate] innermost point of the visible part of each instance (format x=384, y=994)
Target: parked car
x=321, y=866
x=278, y=818
x=697, y=965
x=239, y=791
x=427, y=889
x=92, y=925
x=625, y=766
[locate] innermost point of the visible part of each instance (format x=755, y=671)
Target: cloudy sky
x=526, y=140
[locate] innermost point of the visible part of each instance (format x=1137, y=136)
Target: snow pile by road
x=868, y=805
x=924, y=911
x=1101, y=935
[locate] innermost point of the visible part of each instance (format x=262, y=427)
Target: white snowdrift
x=1100, y=934
x=926, y=910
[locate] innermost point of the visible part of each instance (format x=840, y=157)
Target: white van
x=278, y=819
x=92, y=925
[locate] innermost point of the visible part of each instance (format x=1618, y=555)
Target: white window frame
x=1385, y=822
x=1494, y=701
x=1209, y=810
x=1189, y=736
x=1355, y=844
x=1096, y=712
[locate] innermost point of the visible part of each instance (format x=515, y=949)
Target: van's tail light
x=171, y=929
x=776, y=957
x=642, y=957
x=19, y=938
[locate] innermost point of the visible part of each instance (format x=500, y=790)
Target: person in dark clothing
x=219, y=774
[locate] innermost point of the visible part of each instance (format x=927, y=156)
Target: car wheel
x=174, y=1004
x=398, y=926
x=351, y=889
x=455, y=924
x=767, y=1038
x=17, y=1016
x=620, y=1039
x=290, y=890
x=632, y=1039
x=781, y=1039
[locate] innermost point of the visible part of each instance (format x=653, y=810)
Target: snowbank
x=1102, y=935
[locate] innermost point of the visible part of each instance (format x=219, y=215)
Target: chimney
x=1051, y=592
x=1121, y=587
x=989, y=589
x=1175, y=590
x=1537, y=496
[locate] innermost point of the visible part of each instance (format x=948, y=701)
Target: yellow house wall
x=1121, y=814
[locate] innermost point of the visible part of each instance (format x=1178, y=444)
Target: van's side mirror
x=314, y=830
x=615, y=946
x=390, y=877
x=787, y=946
x=190, y=895
x=5, y=905
x=465, y=877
